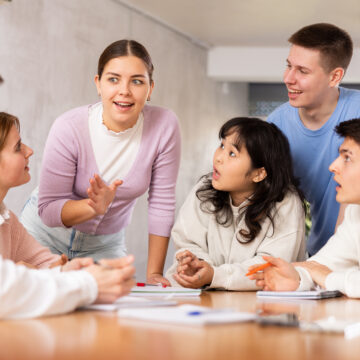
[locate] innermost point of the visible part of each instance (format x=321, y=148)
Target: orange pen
x=258, y=268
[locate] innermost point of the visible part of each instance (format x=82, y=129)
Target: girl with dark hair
x=125, y=148
x=247, y=207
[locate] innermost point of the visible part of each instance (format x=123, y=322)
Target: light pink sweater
x=17, y=244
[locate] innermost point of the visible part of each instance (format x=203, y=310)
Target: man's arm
x=318, y=272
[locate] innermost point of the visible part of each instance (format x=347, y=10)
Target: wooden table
x=100, y=335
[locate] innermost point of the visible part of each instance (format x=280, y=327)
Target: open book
x=311, y=295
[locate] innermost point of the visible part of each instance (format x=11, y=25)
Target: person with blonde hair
x=26, y=292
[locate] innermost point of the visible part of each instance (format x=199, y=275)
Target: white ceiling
x=250, y=22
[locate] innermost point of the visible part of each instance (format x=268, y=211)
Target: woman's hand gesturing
x=100, y=194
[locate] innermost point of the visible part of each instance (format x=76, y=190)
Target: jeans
x=68, y=241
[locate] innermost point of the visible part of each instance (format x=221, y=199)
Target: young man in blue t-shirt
x=317, y=61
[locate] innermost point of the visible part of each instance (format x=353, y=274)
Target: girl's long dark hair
x=267, y=147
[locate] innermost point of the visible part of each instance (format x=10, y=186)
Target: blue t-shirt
x=312, y=152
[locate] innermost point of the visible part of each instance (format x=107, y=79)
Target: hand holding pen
x=114, y=277
x=76, y=263
x=256, y=268
x=118, y=263
x=68, y=265
x=279, y=275
x=62, y=261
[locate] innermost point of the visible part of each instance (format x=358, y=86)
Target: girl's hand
x=203, y=276
x=188, y=263
x=100, y=194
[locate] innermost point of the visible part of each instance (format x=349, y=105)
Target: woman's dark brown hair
x=125, y=48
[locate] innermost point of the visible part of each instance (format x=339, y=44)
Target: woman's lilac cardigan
x=69, y=163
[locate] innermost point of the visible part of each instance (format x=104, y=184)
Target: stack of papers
x=308, y=295
x=187, y=315
x=126, y=302
x=168, y=292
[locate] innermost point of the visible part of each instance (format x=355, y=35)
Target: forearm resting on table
x=76, y=212
x=318, y=272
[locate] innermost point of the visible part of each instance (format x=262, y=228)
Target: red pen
x=144, y=284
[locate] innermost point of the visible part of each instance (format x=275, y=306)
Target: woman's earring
x=148, y=99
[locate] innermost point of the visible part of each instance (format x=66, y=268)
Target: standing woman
x=100, y=158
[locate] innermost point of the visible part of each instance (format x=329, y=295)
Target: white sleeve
x=190, y=232
x=345, y=281
x=340, y=254
x=27, y=293
x=284, y=240
x=348, y=282
x=306, y=281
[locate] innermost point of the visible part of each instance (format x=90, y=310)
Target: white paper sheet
x=187, y=315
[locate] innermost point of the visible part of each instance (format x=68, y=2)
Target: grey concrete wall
x=48, y=57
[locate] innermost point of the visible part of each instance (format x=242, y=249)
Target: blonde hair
x=6, y=123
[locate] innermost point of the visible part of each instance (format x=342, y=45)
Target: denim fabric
x=69, y=241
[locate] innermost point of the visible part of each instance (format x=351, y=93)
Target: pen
x=62, y=261
x=208, y=311
x=258, y=268
x=144, y=284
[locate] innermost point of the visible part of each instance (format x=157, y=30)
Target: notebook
x=308, y=295
x=169, y=291
x=126, y=302
x=187, y=315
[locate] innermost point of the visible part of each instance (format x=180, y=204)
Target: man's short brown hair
x=335, y=44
